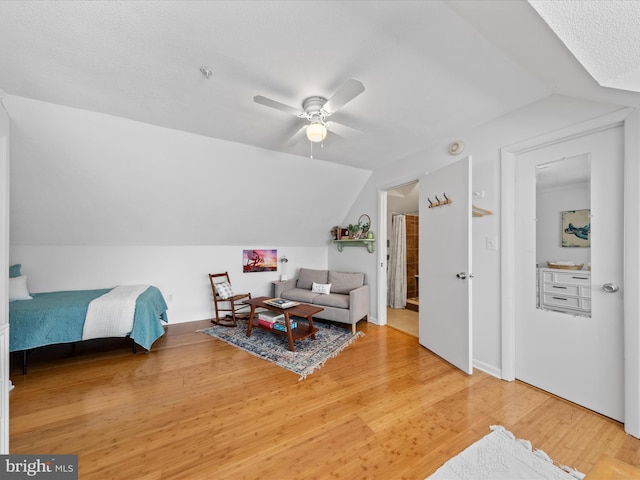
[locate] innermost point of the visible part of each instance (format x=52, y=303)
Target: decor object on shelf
x=347, y=302
x=500, y=455
x=354, y=231
x=308, y=357
x=358, y=230
x=365, y=222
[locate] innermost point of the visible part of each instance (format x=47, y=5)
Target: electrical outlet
x=492, y=243
x=169, y=297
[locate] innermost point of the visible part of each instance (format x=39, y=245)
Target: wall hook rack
x=438, y=202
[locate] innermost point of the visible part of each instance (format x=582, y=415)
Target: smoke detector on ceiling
x=455, y=148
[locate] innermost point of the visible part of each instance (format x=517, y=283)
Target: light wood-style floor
x=197, y=408
x=404, y=320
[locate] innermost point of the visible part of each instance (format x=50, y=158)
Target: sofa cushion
x=300, y=295
x=345, y=282
x=337, y=300
x=307, y=276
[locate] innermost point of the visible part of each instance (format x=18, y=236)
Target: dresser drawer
x=573, y=290
x=575, y=278
x=561, y=301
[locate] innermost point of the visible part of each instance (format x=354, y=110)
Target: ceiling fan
x=316, y=110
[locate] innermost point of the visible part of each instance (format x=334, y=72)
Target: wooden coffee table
x=302, y=310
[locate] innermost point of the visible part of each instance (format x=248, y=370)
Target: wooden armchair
x=225, y=300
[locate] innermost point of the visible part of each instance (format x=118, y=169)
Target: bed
x=73, y=316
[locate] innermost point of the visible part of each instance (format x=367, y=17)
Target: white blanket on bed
x=111, y=315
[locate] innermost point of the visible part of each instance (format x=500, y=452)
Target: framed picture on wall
x=259, y=261
x=576, y=228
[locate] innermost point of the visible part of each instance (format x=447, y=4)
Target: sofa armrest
x=358, y=303
x=284, y=286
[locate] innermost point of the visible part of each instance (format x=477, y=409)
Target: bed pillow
x=18, y=289
x=14, y=271
x=224, y=290
x=322, y=288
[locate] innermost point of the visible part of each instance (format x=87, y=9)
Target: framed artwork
x=576, y=228
x=259, y=261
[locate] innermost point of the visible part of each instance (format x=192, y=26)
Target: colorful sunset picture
x=260, y=261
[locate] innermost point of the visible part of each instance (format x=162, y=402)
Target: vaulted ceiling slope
x=430, y=68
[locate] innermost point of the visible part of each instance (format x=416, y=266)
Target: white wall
x=550, y=203
x=179, y=272
x=483, y=144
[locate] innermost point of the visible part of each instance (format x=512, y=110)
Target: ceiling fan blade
x=347, y=92
x=297, y=136
x=277, y=105
x=342, y=130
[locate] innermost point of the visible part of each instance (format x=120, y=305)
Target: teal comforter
x=58, y=317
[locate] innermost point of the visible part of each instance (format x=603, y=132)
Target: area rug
x=309, y=355
x=500, y=455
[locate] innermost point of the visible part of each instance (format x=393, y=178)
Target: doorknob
x=461, y=275
x=610, y=287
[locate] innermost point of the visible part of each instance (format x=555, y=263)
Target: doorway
x=630, y=122
x=402, y=257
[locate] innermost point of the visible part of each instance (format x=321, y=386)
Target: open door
x=445, y=264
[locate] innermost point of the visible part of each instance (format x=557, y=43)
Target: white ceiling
x=603, y=35
x=431, y=69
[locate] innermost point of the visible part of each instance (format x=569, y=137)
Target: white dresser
x=565, y=290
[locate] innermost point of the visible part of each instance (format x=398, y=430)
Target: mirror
x=563, y=235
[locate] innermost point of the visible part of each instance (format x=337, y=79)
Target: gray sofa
x=347, y=302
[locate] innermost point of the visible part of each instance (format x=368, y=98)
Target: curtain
x=397, y=288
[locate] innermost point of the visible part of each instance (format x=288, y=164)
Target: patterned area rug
x=500, y=455
x=309, y=356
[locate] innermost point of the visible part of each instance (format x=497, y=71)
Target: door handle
x=463, y=275
x=610, y=287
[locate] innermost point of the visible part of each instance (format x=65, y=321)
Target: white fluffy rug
x=500, y=455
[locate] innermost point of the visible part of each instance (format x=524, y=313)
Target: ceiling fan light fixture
x=316, y=132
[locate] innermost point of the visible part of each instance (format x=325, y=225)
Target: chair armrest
x=284, y=286
x=358, y=303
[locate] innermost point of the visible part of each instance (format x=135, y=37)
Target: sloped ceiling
x=603, y=36
x=428, y=73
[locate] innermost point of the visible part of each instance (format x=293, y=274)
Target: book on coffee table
x=281, y=302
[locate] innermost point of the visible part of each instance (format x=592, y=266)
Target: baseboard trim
x=486, y=368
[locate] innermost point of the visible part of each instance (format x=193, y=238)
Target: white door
x=445, y=264
x=579, y=358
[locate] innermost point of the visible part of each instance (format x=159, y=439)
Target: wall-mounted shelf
x=370, y=243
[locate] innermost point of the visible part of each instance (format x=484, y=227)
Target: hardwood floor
x=197, y=408
x=403, y=319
